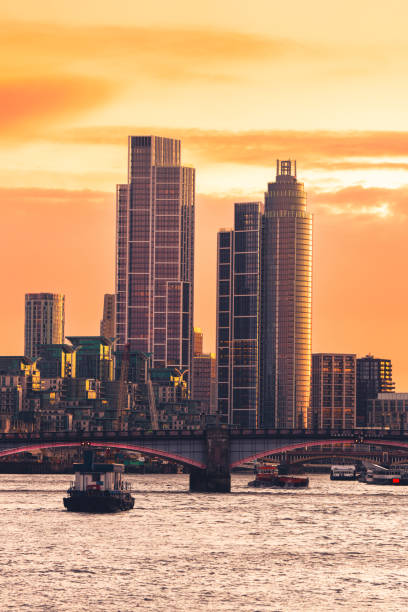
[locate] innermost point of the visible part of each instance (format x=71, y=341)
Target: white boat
x=343, y=472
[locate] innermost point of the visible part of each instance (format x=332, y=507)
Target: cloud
x=357, y=201
x=165, y=53
x=27, y=103
x=314, y=149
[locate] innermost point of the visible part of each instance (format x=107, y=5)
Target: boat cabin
x=90, y=476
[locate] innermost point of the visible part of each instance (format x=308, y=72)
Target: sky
x=241, y=84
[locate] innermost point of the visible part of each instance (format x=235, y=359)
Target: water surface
x=334, y=546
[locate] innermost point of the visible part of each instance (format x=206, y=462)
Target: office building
x=204, y=381
x=107, y=327
x=333, y=391
x=388, y=410
x=57, y=361
x=44, y=321
x=238, y=294
x=155, y=253
x=264, y=309
x=286, y=303
x=94, y=358
x=204, y=378
x=197, y=341
x=374, y=376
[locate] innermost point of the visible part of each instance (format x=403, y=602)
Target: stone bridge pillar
x=216, y=478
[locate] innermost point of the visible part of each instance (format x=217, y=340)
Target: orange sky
x=241, y=83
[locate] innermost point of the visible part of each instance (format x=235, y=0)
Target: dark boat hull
x=281, y=483
x=84, y=502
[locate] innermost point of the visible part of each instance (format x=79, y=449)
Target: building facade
x=388, y=410
x=264, y=309
x=107, y=327
x=286, y=303
x=94, y=357
x=204, y=376
x=155, y=253
x=44, y=321
x=57, y=360
x=197, y=341
x=374, y=376
x=333, y=398
x=238, y=294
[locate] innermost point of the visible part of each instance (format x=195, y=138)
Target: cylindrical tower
x=286, y=303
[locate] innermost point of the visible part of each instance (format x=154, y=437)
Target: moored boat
x=98, y=487
x=267, y=475
x=379, y=475
x=343, y=472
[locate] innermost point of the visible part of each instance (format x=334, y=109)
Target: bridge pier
x=216, y=478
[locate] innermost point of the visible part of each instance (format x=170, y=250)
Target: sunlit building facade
x=197, y=341
x=264, y=309
x=286, y=303
x=155, y=253
x=107, y=327
x=333, y=391
x=44, y=321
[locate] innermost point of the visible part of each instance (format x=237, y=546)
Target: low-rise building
x=333, y=395
x=388, y=410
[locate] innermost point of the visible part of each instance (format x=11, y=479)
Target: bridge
x=210, y=454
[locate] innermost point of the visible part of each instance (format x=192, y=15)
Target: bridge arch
x=312, y=443
x=152, y=452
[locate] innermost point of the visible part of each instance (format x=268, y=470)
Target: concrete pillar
x=216, y=478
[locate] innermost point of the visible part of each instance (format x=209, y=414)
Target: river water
x=334, y=546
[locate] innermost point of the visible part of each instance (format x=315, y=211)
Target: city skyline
x=339, y=110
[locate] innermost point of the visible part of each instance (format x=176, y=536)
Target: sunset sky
x=240, y=83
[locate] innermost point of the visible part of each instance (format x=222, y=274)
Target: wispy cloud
x=357, y=201
x=327, y=150
x=28, y=103
x=166, y=53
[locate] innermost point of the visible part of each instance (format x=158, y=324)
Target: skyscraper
x=286, y=303
x=44, y=321
x=238, y=293
x=107, y=327
x=155, y=253
x=264, y=293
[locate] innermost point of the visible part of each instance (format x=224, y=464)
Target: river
x=334, y=546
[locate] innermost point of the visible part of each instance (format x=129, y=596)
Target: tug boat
x=98, y=487
x=267, y=475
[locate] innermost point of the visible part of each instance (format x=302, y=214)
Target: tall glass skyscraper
x=238, y=291
x=155, y=253
x=264, y=294
x=286, y=303
x=44, y=321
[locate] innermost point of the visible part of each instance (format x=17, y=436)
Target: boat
x=343, y=472
x=380, y=475
x=267, y=475
x=98, y=487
